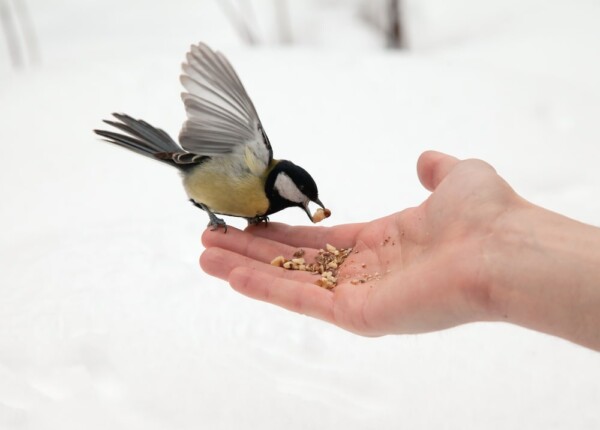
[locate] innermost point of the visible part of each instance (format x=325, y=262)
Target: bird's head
x=290, y=185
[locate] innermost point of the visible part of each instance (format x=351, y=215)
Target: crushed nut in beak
x=320, y=214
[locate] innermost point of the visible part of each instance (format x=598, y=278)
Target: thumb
x=433, y=166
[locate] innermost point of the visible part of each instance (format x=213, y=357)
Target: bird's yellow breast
x=227, y=191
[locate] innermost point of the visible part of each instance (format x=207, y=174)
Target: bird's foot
x=258, y=219
x=216, y=222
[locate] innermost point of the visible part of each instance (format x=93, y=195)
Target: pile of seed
x=326, y=264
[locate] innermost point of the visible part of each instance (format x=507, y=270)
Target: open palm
x=417, y=270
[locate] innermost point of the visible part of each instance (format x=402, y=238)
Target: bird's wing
x=221, y=117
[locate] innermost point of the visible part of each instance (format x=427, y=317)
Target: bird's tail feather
x=141, y=137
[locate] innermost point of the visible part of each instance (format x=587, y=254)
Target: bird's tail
x=142, y=138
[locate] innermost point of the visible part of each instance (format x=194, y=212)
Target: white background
x=106, y=320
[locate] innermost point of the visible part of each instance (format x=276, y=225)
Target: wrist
x=544, y=273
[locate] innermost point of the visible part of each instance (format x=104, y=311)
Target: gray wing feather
x=221, y=117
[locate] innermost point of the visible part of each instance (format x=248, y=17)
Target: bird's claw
x=215, y=223
x=258, y=219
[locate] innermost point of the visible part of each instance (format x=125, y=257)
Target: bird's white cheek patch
x=288, y=189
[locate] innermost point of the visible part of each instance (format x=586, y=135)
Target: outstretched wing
x=221, y=117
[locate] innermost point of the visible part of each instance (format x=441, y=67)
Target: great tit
x=225, y=158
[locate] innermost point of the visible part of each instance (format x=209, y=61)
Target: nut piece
x=325, y=283
x=278, y=261
x=332, y=249
x=327, y=262
x=320, y=214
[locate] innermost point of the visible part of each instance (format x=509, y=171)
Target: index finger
x=342, y=236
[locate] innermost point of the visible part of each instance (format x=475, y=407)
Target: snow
x=106, y=320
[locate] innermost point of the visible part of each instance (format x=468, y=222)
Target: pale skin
x=473, y=251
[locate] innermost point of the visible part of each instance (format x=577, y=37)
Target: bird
x=224, y=155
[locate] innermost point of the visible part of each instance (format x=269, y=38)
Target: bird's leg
x=215, y=222
x=258, y=219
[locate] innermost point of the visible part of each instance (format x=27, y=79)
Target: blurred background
x=106, y=320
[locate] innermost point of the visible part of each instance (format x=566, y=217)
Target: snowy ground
x=106, y=321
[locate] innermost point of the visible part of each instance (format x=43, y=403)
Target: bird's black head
x=289, y=185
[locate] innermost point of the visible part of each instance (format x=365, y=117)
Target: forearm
x=544, y=272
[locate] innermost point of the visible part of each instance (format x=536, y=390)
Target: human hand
x=425, y=267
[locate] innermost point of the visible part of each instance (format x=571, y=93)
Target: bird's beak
x=307, y=209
